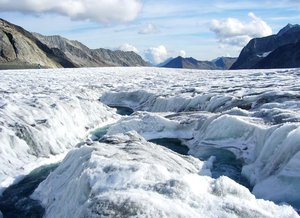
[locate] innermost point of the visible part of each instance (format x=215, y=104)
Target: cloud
x=128, y=47
x=101, y=11
x=156, y=55
x=149, y=29
x=182, y=53
x=234, y=32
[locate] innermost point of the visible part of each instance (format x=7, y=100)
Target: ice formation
x=253, y=113
x=125, y=176
x=43, y=114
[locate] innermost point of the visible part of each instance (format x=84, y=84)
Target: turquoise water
x=99, y=132
x=225, y=164
x=15, y=201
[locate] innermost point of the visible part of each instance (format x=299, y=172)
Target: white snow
x=253, y=113
x=126, y=176
x=45, y=113
x=265, y=54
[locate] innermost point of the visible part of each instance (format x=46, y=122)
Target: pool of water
x=15, y=200
x=225, y=164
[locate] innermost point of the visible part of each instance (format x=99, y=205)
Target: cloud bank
x=156, y=55
x=128, y=47
x=182, y=53
x=234, y=32
x=101, y=11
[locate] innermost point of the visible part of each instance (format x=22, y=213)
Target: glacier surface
x=125, y=176
x=253, y=113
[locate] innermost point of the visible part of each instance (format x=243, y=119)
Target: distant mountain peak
x=223, y=63
x=288, y=28
x=275, y=51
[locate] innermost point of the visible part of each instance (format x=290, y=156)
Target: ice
x=252, y=113
x=43, y=115
x=126, y=176
x=152, y=126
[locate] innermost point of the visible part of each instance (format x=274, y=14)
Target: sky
x=156, y=29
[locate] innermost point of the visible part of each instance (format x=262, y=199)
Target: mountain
x=222, y=63
x=23, y=49
x=258, y=53
x=286, y=56
x=82, y=56
x=165, y=62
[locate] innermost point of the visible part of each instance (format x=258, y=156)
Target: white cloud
x=149, y=29
x=128, y=47
x=102, y=11
x=234, y=32
x=182, y=53
x=156, y=55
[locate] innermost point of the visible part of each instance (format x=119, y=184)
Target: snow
x=253, y=113
x=265, y=54
x=126, y=176
x=44, y=114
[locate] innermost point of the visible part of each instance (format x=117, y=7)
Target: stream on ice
x=191, y=138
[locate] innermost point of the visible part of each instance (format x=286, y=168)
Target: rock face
x=82, y=56
x=119, y=58
x=263, y=52
x=286, y=56
x=222, y=63
x=20, y=49
x=75, y=51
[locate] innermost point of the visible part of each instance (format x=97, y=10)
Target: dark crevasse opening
x=172, y=144
x=123, y=111
x=15, y=200
x=225, y=164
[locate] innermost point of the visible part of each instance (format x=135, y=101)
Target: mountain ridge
x=253, y=54
x=22, y=49
x=222, y=63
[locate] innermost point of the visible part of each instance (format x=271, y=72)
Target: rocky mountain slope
x=222, y=63
x=82, y=56
x=263, y=52
x=22, y=49
x=286, y=56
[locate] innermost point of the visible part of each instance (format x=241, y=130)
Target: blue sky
x=156, y=29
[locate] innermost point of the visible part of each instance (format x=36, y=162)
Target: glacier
x=135, y=178
x=43, y=115
x=46, y=115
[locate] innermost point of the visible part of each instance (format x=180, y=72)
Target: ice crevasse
x=125, y=176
